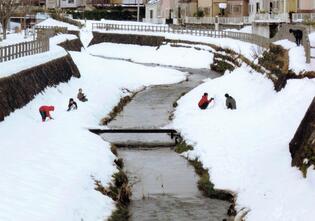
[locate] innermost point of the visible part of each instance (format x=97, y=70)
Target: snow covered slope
x=247, y=150
x=47, y=168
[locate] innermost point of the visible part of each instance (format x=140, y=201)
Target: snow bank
x=240, y=47
x=297, y=58
x=47, y=168
x=247, y=150
x=165, y=54
x=53, y=22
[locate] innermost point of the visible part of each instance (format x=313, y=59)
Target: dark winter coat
x=72, y=106
x=230, y=103
x=298, y=34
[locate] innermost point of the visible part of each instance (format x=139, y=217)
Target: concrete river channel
x=164, y=184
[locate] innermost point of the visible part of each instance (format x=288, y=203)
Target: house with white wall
x=65, y=4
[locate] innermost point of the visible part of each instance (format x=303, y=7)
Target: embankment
x=20, y=88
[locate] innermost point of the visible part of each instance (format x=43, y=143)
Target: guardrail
x=154, y=20
x=247, y=37
x=221, y=20
x=23, y=49
x=50, y=31
x=302, y=17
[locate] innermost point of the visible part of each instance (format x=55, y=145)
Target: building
x=237, y=8
x=305, y=6
x=153, y=12
x=67, y=4
x=272, y=6
x=226, y=8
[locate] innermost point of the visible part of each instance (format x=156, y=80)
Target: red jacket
x=46, y=109
x=204, y=100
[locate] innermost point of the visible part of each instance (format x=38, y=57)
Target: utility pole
x=138, y=10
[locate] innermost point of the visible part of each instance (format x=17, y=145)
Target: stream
x=164, y=184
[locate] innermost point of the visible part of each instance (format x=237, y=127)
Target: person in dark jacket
x=44, y=112
x=230, y=102
x=72, y=105
x=204, y=102
x=298, y=34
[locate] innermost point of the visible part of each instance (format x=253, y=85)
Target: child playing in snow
x=72, y=105
x=204, y=102
x=230, y=102
x=81, y=96
x=44, y=112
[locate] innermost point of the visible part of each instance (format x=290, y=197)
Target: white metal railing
x=247, y=37
x=300, y=17
x=154, y=20
x=239, y=20
x=282, y=17
x=221, y=20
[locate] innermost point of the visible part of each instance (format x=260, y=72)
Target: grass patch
x=119, y=163
x=116, y=110
x=121, y=214
x=119, y=190
x=204, y=184
x=182, y=147
x=221, y=66
x=113, y=149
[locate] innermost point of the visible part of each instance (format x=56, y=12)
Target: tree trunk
x=4, y=27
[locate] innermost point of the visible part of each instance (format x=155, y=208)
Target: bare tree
x=7, y=8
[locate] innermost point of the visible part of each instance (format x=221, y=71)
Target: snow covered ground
x=47, y=168
x=15, y=38
x=247, y=150
x=240, y=47
x=165, y=54
x=53, y=22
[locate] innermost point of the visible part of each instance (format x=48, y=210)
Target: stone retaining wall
x=146, y=40
x=19, y=89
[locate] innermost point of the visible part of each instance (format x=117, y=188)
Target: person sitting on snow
x=81, y=96
x=44, y=112
x=204, y=102
x=298, y=34
x=230, y=102
x=72, y=105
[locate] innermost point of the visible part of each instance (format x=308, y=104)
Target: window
x=257, y=7
x=237, y=9
x=70, y=1
x=151, y=14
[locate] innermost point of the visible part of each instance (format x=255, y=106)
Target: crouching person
x=81, y=96
x=230, y=102
x=204, y=102
x=44, y=112
x=72, y=105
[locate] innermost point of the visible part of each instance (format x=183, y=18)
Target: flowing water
x=164, y=184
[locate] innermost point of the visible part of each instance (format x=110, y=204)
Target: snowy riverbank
x=247, y=150
x=47, y=168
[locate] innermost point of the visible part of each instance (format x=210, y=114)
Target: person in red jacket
x=44, y=112
x=204, y=102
